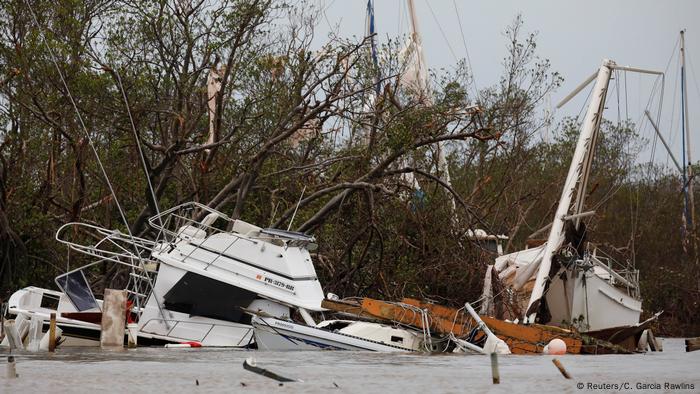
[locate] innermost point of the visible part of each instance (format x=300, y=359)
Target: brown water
x=158, y=370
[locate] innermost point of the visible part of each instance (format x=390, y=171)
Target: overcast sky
x=574, y=35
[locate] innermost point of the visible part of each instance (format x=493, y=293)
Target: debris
x=52, y=332
x=113, y=319
x=692, y=344
x=653, y=343
x=561, y=368
x=494, y=369
x=13, y=338
x=34, y=336
x=249, y=364
x=643, y=343
x=11, y=368
x=45, y=340
x=132, y=330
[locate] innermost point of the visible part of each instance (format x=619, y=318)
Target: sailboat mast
x=687, y=163
x=424, y=91
x=575, y=179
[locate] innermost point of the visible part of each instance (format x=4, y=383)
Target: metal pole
x=686, y=130
x=663, y=141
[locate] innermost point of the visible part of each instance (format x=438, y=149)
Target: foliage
x=294, y=124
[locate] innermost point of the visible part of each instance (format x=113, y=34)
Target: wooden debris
x=561, y=368
x=52, y=332
x=692, y=344
x=521, y=339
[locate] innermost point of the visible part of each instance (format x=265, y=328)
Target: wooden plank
x=692, y=344
x=52, y=332
x=350, y=308
x=520, y=338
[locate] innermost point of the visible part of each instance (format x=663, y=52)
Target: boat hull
x=591, y=303
x=277, y=335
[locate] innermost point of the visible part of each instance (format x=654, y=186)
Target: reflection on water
x=89, y=370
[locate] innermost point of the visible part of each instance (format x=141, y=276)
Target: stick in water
x=494, y=368
x=561, y=368
x=249, y=364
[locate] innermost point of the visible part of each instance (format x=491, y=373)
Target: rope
x=466, y=50
x=138, y=145
x=90, y=141
x=444, y=36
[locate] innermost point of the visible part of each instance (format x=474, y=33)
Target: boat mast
x=421, y=79
x=687, y=162
x=579, y=172
x=369, y=32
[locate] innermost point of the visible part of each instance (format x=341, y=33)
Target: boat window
x=78, y=290
x=49, y=301
x=198, y=295
x=396, y=339
x=336, y=325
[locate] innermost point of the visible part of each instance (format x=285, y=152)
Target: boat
x=566, y=281
x=282, y=335
x=192, y=284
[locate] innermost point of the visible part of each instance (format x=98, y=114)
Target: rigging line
x=466, y=50
x=583, y=106
x=138, y=145
x=673, y=108
x=444, y=36
x=91, y=143
x=80, y=118
x=692, y=71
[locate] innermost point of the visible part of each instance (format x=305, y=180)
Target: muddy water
x=158, y=370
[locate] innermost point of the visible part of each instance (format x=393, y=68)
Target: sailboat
x=567, y=281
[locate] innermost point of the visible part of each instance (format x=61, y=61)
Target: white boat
x=282, y=335
x=193, y=283
x=567, y=281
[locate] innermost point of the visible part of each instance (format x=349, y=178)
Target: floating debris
x=250, y=365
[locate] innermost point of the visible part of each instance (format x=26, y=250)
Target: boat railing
x=197, y=225
x=115, y=247
x=619, y=274
x=111, y=245
x=188, y=221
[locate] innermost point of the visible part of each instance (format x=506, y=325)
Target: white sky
x=574, y=35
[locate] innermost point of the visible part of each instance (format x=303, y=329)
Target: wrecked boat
x=191, y=284
x=566, y=281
